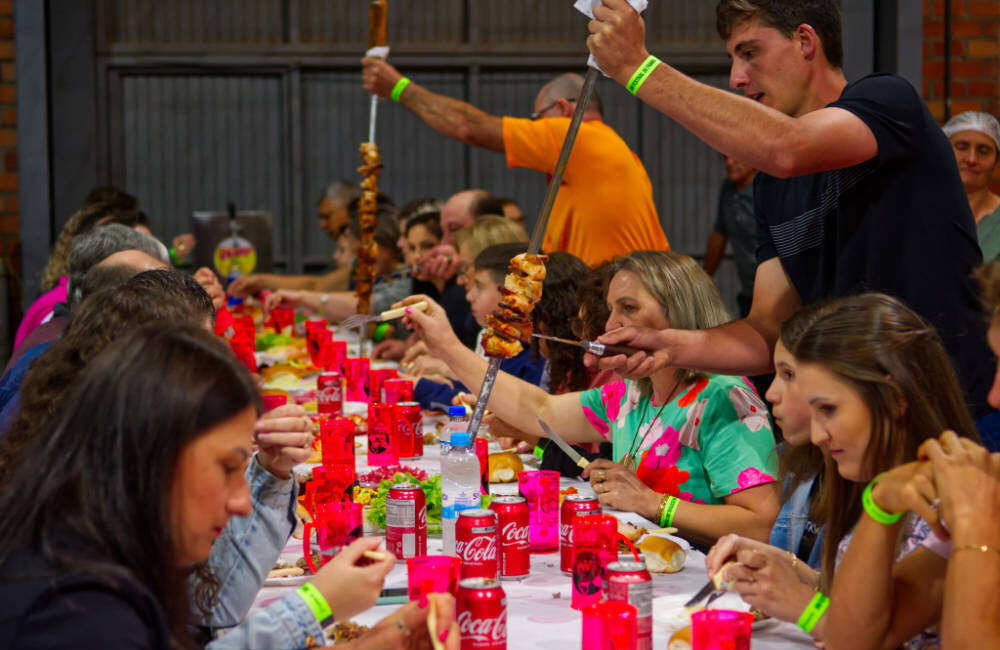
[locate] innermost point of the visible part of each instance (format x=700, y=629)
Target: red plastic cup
x=432, y=574
x=337, y=440
x=271, y=402
x=483, y=454
x=721, y=629
x=337, y=524
x=609, y=625
x=595, y=544
x=332, y=355
x=282, y=317
x=379, y=377
x=356, y=376
x=244, y=351
x=541, y=489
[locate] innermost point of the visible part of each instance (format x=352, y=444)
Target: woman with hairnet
x=975, y=137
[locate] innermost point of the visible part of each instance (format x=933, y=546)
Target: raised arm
x=513, y=400
x=760, y=136
x=742, y=347
x=452, y=117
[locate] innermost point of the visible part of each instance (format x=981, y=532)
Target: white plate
x=287, y=581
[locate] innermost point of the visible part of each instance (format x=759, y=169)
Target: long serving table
x=538, y=607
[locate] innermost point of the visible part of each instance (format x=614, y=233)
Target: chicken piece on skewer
x=511, y=322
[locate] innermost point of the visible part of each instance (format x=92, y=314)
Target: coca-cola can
x=630, y=582
x=410, y=430
x=330, y=393
x=482, y=614
x=476, y=544
x=515, y=551
x=397, y=390
x=406, y=521
x=573, y=505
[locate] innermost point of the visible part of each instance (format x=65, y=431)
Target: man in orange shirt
x=605, y=205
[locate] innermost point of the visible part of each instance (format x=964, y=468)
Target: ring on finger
x=603, y=476
x=935, y=504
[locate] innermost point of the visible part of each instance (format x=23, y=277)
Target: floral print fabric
x=712, y=440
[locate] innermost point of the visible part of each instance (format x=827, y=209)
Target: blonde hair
x=687, y=295
x=489, y=230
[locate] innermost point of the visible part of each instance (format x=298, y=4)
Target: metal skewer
x=589, y=81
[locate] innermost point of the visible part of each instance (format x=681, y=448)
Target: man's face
x=333, y=218
x=768, y=67
x=454, y=217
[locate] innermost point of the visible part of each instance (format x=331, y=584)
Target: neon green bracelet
x=398, y=89
x=316, y=603
x=539, y=450
x=876, y=513
x=667, y=518
x=813, y=612
x=641, y=73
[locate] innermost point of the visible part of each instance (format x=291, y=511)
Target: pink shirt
x=41, y=309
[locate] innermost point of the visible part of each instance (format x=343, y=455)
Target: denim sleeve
x=286, y=623
x=249, y=546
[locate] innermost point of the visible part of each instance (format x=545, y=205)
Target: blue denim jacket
x=791, y=523
x=243, y=556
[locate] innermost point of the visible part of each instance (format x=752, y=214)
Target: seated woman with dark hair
x=142, y=468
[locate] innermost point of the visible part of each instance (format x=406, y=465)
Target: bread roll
x=680, y=640
x=719, y=578
x=504, y=466
x=662, y=555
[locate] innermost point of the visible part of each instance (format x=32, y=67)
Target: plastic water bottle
x=460, y=489
x=458, y=420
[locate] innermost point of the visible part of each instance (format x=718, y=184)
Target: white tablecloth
x=538, y=607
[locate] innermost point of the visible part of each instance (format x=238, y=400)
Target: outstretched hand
x=431, y=325
x=617, y=39
x=653, y=353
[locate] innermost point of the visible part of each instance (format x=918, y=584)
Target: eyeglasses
x=538, y=114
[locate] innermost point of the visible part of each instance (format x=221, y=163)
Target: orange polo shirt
x=605, y=205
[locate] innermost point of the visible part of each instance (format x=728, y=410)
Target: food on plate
x=566, y=492
x=270, y=374
x=511, y=322
x=375, y=513
x=430, y=438
x=680, y=640
x=504, y=466
x=364, y=274
x=346, y=631
x=662, y=555
x=286, y=572
x=302, y=564
x=633, y=533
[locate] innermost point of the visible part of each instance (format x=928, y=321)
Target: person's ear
x=808, y=41
x=566, y=107
x=899, y=403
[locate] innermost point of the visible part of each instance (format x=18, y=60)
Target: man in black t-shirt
x=856, y=193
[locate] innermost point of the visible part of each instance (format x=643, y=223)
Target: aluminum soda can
x=409, y=430
x=482, y=614
x=476, y=544
x=397, y=390
x=573, y=505
x=330, y=393
x=406, y=521
x=630, y=582
x=512, y=522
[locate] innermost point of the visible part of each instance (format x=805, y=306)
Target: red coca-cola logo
x=478, y=549
x=483, y=630
x=566, y=533
x=512, y=533
x=422, y=518
x=329, y=394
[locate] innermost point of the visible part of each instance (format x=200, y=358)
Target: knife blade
x=702, y=594
x=593, y=347
x=573, y=454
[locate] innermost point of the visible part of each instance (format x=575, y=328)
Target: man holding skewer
x=856, y=191
x=605, y=204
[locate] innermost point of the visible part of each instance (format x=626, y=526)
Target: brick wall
x=975, y=58
x=10, y=248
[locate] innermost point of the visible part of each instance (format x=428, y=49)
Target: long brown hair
x=887, y=353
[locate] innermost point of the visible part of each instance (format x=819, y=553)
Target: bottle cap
x=457, y=412
x=460, y=439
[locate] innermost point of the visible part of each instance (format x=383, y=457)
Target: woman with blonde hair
x=693, y=450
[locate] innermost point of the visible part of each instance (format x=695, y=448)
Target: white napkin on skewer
x=586, y=7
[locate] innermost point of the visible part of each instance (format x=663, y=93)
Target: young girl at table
x=862, y=365
x=123, y=497
x=693, y=450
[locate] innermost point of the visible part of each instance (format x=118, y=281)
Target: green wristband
x=667, y=519
x=539, y=450
x=641, y=73
x=813, y=612
x=398, y=89
x=876, y=513
x=317, y=603
x=173, y=256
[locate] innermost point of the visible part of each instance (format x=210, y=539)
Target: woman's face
x=976, y=154
x=419, y=242
x=466, y=263
x=790, y=411
x=209, y=486
x=841, y=421
x=631, y=304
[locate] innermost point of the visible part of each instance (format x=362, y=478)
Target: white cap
x=974, y=121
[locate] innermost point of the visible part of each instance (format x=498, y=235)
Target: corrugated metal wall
x=259, y=101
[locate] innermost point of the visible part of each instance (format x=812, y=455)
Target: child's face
x=483, y=295
x=791, y=412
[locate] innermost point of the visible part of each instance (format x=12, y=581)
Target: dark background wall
x=192, y=103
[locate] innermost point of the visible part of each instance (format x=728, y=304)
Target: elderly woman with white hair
x=975, y=138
